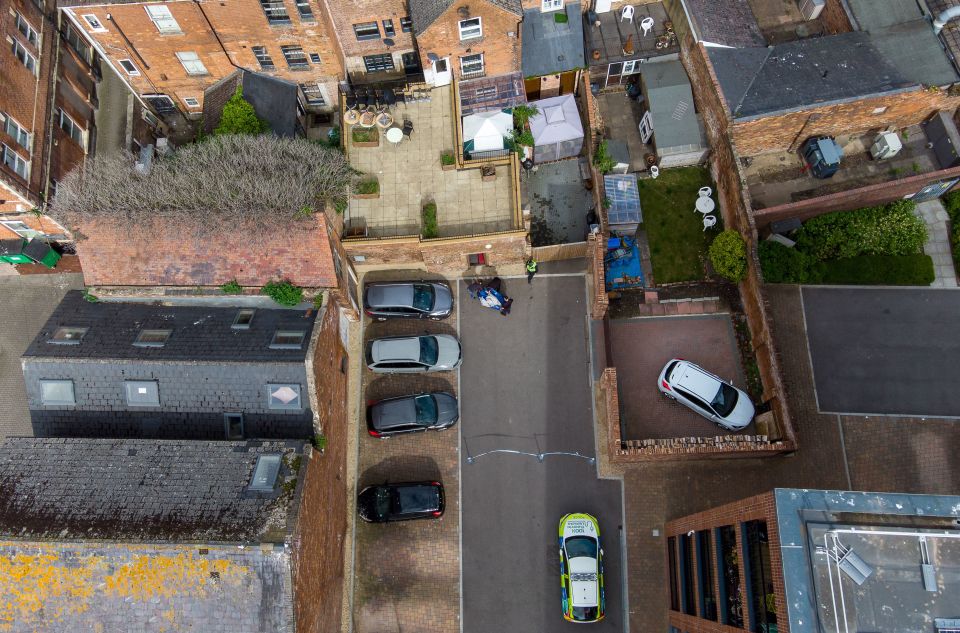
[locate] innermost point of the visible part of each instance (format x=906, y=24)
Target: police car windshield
x=581, y=546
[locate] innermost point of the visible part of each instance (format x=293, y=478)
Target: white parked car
x=413, y=354
x=708, y=395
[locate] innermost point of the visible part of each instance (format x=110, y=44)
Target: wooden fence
x=556, y=252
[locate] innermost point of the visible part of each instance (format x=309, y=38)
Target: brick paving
x=408, y=573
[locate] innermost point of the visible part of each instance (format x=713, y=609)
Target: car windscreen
x=423, y=297
x=580, y=546
x=426, y=410
x=725, y=400
x=585, y=613
x=382, y=503
x=429, y=349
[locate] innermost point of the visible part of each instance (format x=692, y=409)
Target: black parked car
x=408, y=299
x=401, y=502
x=408, y=414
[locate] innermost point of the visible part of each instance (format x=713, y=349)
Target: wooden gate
x=556, y=252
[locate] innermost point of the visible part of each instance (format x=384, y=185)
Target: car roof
x=386, y=295
x=405, y=348
x=696, y=381
x=418, y=498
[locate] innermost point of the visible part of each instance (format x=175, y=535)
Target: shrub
x=239, y=117
x=893, y=270
x=371, y=185
x=523, y=138
x=430, y=220
x=602, y=160
x=889, y=230
x=447, y=158
x=522, y=115
x=951, y=202
x=283, y=292
x=231, y=288
x=781, y=264
x=728, y=254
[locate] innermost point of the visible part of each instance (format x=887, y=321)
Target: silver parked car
x=407, y=299
x=708, y=395
x=409, y=414
x=413, y=354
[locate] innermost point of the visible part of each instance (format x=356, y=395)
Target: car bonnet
x=449, y=350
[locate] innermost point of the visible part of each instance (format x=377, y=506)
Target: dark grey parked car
x=409, y=414
x=407, y=299
x=401, y=502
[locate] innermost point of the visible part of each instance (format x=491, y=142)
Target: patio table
x=394, y=135
x=367, y=119
x=351, y=117
x=384, y=120
x=705, y=205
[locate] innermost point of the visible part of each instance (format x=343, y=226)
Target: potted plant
x=368, y=187
x=488, y=173
x=365, y=137
x=447, y=160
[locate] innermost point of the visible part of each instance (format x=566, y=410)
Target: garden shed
x=557, y=130
x=678, y=133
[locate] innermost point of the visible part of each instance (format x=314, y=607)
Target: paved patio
x=559, y=203
x=410, y=176
x=621, y=116
x=938, y=243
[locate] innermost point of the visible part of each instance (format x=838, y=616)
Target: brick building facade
x=364, y=28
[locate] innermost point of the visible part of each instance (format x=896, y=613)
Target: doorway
x=442, y=75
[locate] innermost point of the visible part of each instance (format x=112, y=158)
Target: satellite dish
x=388, y=42
x=433, y=57
x=527, y=163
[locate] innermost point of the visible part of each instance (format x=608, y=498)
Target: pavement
x=526, y=387
x=884, y=351
x=28, y=301
x=938, y=242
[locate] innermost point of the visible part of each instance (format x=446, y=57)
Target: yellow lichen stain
x=148, y=576
x=35, y=583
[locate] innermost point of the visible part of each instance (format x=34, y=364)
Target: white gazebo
x=557, y=130
x=486, y=131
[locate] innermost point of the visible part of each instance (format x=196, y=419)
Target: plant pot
x=365, y=196
x=488, y=173
x=448, y=167
x=596, y=53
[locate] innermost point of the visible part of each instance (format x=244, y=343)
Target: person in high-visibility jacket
x=531, y=269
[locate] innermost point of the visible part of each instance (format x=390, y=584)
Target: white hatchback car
x=708, y=395
x=413, y=354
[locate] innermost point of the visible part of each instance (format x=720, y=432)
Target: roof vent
x=265, y=473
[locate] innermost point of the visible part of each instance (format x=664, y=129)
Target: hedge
x=728, y=255
x=781, y=264
x=892, y=270
x=951, y=202
x=892, y=229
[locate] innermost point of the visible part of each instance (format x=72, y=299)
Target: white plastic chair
x=654, y=171
x=708, y=221
x=706, y=192
x=647, y=25
x=627, y=13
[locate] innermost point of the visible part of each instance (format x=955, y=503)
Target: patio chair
x=408, y=128
x=389, y=97
x=705, y=192
x=709, y=221
x=627, y=13
x=647, y=25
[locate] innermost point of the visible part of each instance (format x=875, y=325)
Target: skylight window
x=57, y=392
x=142, y=393
x=287, y=339
x=152, y=338
x=265, y=473
x=283, y=396
x=68, y=335
x=244, y=319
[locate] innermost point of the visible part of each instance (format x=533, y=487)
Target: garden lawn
x=678, y=243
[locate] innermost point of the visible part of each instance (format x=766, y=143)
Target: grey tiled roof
x=136, y=490
x=425, y=12
x=798, y=75
x=725, y=22
x=550, y=46
x=199, y=333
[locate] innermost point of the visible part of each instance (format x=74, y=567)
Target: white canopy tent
x=486, y=131
x=557, y=130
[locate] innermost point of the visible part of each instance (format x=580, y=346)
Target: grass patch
x=365, y=135
x=887, y=270
x=678, y=243
x=560, y=18
x=447, y=159
x=368, y=186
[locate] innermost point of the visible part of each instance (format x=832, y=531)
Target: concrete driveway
x=884, y=351
x=524, y=386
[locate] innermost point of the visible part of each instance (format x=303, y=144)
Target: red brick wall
x=598, y=301
x=442, y=255
x=318, y=579
x=501, y=52
x=346, y=13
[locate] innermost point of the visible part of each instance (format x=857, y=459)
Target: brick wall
x=318, y=555
x=501, y=52
x=346, y=13
x=599, y=303
x=440, y=255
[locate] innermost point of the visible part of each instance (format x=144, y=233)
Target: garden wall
x=443, y=255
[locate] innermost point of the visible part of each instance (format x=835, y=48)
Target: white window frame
x=162, y=18
x=191, y=102
x=634, y=65
x=463, y=63
x=133, y=71
x=26, y=29
x=26, y=58
x=74, y=128
x=546, y=6
x=78, y=41
x=263, y=58
x=314, y=89
x=19, y=133
x=470, y=35
x=191, y=63
x=293, y=405
x=20, y=228
x=293, y=52
x=20, y=166
x=96, y=26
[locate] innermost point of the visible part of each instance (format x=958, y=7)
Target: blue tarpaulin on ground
x=622, y=264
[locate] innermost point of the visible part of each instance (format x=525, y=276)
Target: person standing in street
x=531, y=269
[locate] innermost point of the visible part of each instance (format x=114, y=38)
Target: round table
x=394, y=135
x=705, y=205
x=367, y=119
x=384, y=120
x=351, y=117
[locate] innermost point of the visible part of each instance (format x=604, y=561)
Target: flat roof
x=550, y=46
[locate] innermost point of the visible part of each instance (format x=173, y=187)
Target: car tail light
x=370, y=403
x=373, y=433
x=435, y=483
x=437, y=513
x=665, y=385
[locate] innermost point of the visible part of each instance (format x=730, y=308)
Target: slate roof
x=725, y=22
x=675, y=121
x=796, y=75
x=274, y=100
x=143, y=490
x=199, y=333
x=423, y=13
x=551, y=47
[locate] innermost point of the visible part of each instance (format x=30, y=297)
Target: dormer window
x=68, y=335
x=152, y=338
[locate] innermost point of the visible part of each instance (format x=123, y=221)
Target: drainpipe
x=216, y=36
x=943, y=18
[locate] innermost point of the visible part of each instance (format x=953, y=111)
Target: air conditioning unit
x=810, y=9
x=886, y=145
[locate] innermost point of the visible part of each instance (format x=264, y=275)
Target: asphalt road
x=524, y=386
x=884, y=351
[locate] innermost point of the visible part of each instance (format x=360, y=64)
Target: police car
x=581, y=568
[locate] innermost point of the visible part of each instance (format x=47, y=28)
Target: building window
x=551, y=5
x=388, y=30
x=367, y=31
x=16, y=162
x=686, y=576
x=879, y=110
x=672, y=566
x=265, y=473
x=68, y=335
x=57, y=392
x=759, y=578
x=142, y=393
x=406, y=24
x=296, y=58
x=162, y=18
x=233, y=426
x=275, y=11
x=129, y=67
x=17, y=131
x=287, y=339
x=192, y=102
x=472, y=64
x=303, y=8
x=152, y=338
x=78, y=44
x=470, y=29
x=314, y=58
x=728, y=566
x=72, y=128
x=477, y=259
x=162, y=104
x=487, y=92
x=378, y=63
x=313, y=94
x=263, y=58
x=24, y=56
x=191, y=63
x=285, y=396
x=27, y=31
x=93, y=23
x=243, y=319
x=705, y=586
